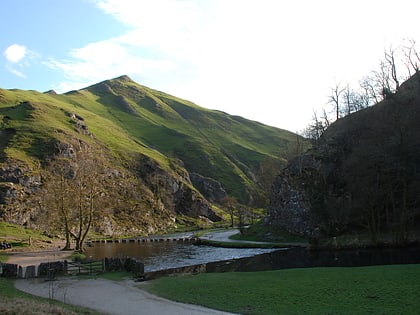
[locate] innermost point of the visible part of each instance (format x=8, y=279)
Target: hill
x=173, y=159
x=363, y=176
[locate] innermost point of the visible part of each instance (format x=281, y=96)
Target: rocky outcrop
x=18, y=183
x=290, y=207
x=209, y=187
x=146, y=199
x=13, y=172
x=80, y=124
x=176, y=193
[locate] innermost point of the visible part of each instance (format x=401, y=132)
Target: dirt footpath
x=35, y=258
x=109, y=297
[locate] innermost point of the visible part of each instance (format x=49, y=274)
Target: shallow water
x=164, y=255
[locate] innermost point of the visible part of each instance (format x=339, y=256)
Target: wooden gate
x=85, y=267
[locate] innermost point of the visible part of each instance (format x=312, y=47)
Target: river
x=165, y=255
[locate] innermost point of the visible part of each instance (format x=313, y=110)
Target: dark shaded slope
x=363, y=175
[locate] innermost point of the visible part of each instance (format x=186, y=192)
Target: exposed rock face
x=18, y=174
x=146, y=204
x=209, y=187
x=17, y=184
x=66, y=150
x=176, y=193
x=290, y=207
x=80, y=124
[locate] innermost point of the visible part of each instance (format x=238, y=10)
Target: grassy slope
x=19, y=238
x=47, y=120
x=129, y=118
x=360, y=290
x=209, y=142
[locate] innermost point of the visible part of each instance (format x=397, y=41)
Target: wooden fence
x=85, y=267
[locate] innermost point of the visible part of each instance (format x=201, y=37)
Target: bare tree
x=349, y=99
x=317, y=127
x=230, y=204
x=387, y=79
x=412, y=57
x=335, y=99
x=368, y=93
x=87, y=188
x=390, y=56
x=57, y=196
x=74, y=194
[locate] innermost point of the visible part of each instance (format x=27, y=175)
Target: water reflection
x=164, y=255
x=303, y=258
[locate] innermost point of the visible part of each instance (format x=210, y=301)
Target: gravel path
x=110, y=297
x=224, y=236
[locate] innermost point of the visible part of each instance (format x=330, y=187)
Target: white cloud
x=272, y=61
x=103, y=60
x=19, y=58
x=15, y=53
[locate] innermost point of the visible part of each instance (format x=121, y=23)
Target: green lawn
x=391, y=289
x=265, y=233
x=19, y=236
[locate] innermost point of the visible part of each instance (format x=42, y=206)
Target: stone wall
x=124, y=264
x=9, y=270
x=61, y=268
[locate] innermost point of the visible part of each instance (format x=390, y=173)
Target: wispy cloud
x=15, y=72
x=104, y=60
x=153, y=47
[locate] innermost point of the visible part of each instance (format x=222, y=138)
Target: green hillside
x=214, y=144
x=170, y=158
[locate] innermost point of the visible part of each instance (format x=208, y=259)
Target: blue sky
x=268, y=60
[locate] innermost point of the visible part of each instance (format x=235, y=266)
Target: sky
x=272, y=61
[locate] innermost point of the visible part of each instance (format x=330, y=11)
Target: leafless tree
x=57, y=198
x=335, y=99
x=88, y=188
x=368, y=92
x=317, y=127
x=412, y=57
x=74, y=194
x=391, y=65
x=231, y=205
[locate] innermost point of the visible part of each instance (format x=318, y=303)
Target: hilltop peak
x=108, y=86
x=123, y=78
x=51, y=92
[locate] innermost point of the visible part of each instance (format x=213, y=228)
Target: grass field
x=391, y=289
x=19, y=237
